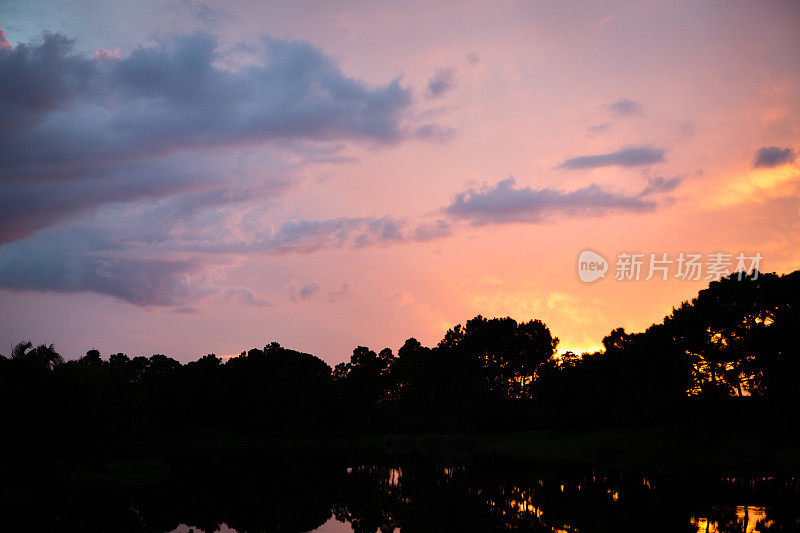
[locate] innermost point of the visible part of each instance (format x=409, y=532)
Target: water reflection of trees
x=510, y=498
x=431, y=497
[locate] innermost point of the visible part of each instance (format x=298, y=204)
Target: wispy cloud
x=340, y=293
x=442, y=82
x=505, y=202
x=632, y=156
x=625, y=107
x=246, y=296
x=659, y=185
x=114, y=254
x=304, y=292
x=604, y=22
x=596, y=129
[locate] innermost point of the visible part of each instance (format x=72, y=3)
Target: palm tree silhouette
x=42, y=356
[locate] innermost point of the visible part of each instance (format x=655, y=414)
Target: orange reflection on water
x=749, y=519
x=394, y=477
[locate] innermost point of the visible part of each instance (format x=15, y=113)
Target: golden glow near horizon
x=758, y=185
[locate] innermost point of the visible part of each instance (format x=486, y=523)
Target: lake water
x=425, y=496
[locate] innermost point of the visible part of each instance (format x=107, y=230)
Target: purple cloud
x=123, y=175
x=113, y=253
x=31, y=266
x=774, y=156
x=634, y=156
x=660, y=185
x=442, y=82
x=340, y=293
x=246, y=296
x=597, y=129
x=77, y=132
x=504, y=203
x=173, y=96
x=625, y=107
x=305, y=292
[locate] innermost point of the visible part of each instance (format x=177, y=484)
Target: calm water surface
x=423, y=496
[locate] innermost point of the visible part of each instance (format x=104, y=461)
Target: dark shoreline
x=670, y=450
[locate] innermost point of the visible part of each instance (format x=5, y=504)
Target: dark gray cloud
x=504, y=202
x=186, y=310
x=429, y=231
x=206, y=15
x=246, y=296
x=129, y=176
x=631, y=156
x=125, y=260
x=442, y=82
x=597, y=129
x=625, y=107
x=39, y=78
x=434, y=132
x=304, y=292
x=53, y=264
x=773, y=156
x=112, y=253
x=661, y=185
x=77, y=132
x=308, y=291
x=62, y=111
x=306, y=236
x=29, y=206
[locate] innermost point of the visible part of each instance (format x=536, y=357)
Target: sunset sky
x=187, y=178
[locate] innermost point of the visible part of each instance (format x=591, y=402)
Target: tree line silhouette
x=728, y=356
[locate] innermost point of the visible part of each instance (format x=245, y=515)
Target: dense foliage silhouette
x=727, y=356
